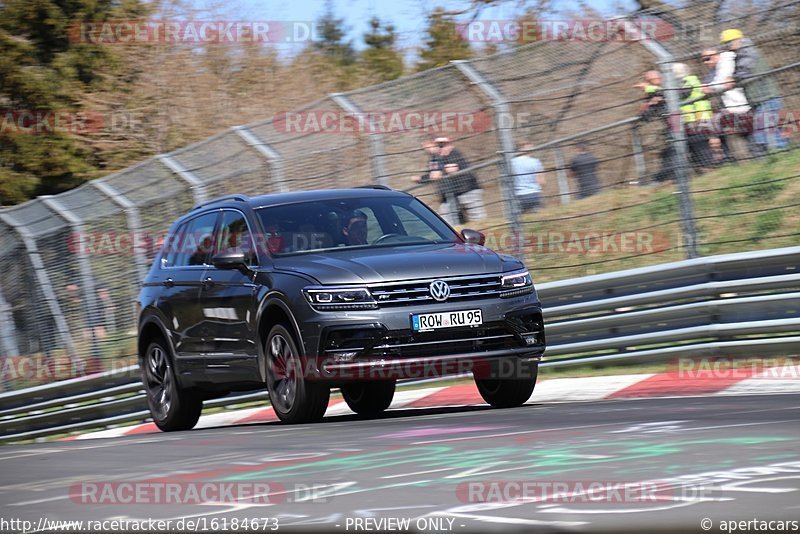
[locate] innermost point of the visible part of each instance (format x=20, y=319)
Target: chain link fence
x=70, y=265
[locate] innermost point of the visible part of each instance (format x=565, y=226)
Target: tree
x=381, y=56
x=444, y=43
x=45, y=69
x=332, y=43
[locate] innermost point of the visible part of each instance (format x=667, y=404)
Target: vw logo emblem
x=440, y=290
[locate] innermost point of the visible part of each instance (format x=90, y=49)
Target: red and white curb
x=739, y=382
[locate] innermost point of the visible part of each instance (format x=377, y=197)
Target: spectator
x=528, y=180
x=584, y=168
x=435, y=167
x=696, y=117
x=463, y=194
x=733, y=121
x=107, y=321
x=434, y=164
x=655, y=106
x=750, y=73
x=74, y=310
x=457, y=192
x=355, y=231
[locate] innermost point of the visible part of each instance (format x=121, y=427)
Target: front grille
x=461, y=288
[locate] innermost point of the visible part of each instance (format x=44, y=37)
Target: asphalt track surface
x=721, y=458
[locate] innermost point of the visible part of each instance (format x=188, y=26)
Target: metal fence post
x=502, y=112
x=680, y=152
x=376, y=149
x=561, y=175
x=43, y=280
x=134, y=223
x=638, y=155
x=85, y=269
x=8, y=331
x=196, y=184
x=272, y=155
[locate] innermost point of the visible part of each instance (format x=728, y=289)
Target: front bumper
x=381, y=344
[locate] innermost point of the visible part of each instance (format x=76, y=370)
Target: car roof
x=277, y=199
x=321, y=194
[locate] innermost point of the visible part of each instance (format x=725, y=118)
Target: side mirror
x=473, y=237
x=229, y=260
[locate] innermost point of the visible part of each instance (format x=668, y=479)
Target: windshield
x=351, y=223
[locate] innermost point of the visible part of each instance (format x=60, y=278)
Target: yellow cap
x=729, y=35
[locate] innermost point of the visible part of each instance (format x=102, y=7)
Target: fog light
x=344, y=356
x=530, y=339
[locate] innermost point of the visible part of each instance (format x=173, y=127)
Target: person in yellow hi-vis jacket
x=696, y=117
x=654, y=106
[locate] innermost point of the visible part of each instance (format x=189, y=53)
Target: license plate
x=434, y=321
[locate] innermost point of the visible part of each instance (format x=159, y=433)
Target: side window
x=413, y=225
x=197, y=241
x=172, y=246
x=235, y=236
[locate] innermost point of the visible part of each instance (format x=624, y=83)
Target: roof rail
x=374, y=186
x=240, y=198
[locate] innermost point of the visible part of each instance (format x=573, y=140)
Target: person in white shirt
x=734, y=121
x=528, y=178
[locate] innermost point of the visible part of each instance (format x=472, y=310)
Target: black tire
x=509, y=392
x=172, y=408
x=369, y=398
x=294, y=398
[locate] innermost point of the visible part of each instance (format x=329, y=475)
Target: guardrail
x=743, y=304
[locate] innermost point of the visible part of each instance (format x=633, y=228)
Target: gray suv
x=352, y=289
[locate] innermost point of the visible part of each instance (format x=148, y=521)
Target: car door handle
x=168, y=282
x=208, y=282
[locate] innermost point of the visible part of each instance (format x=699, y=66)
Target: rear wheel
x=294, y=398
x=172, y=408
x=509, y=392
x=369, y=398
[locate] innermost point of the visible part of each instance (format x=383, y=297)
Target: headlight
x=515, y=284
x=333, y=299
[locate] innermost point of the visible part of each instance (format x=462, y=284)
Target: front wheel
x=294, y=398
x=172, y=408
x=369, y=398
x=509, y=392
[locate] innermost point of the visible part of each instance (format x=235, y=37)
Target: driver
x=355, y=231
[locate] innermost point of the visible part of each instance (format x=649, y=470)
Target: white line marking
x=419, y=472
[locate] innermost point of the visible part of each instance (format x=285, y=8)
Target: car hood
x=365, y=266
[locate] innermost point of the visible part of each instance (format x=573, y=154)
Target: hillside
x=739, y=207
